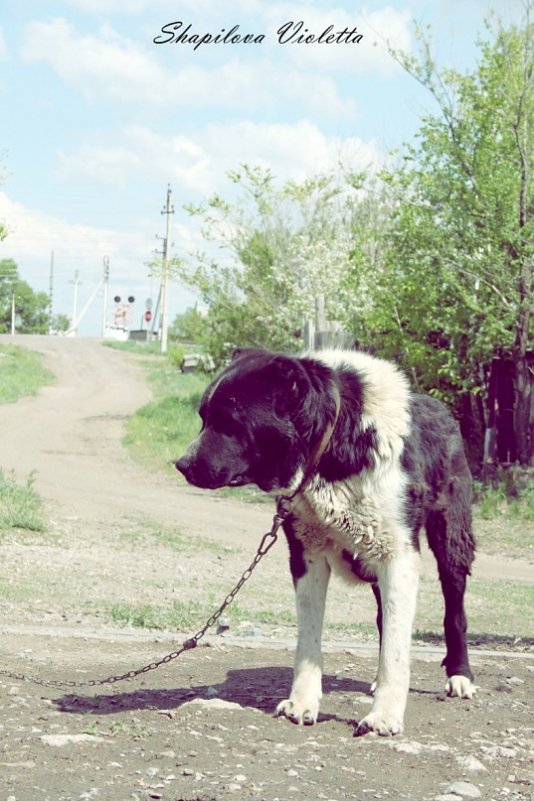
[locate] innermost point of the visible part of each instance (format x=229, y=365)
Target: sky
x=98, y=119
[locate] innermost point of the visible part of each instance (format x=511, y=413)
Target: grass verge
x=20, y=504
x=130, y=346
x=496, y=613
x=158, y=432
x=21, y=373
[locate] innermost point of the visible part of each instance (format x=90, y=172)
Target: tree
x=276, y=248
x=456, y=289
x=190, y=326
x=31, y=308
x=59, y=323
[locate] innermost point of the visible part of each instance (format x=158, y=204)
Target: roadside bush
x=175, y=356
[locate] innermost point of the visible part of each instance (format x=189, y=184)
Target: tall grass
x=494, y=502
x=20, y=504
x=21, y=373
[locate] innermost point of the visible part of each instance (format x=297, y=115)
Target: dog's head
x=260, y=418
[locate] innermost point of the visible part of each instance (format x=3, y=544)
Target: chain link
x=267, y=542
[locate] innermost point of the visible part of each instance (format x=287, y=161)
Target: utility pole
x=168, y=210
x=105, y=302
x=51, y=292
x=13, y=314
x=74, y=323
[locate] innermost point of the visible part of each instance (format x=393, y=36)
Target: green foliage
x=21, y=373
x=20, y=504
x=60, y=323
x=31, y=308
x=175, y=356
x=188, y=327
x=450, y=293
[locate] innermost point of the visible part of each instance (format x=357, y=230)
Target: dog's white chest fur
x=341, y=516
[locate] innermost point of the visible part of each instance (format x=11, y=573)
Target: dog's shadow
x=259, y=688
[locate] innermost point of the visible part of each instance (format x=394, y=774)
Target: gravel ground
x=202, y=728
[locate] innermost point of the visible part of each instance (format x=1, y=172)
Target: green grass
x=496, y=613
x=159, y=432
x=151, y=348
x=21, y=373
x=131, y=346
x=20, y=504
x=179, y=615
x=502, y=500
x=196, y=544
x=189, y=615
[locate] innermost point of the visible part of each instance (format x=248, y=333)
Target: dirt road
x=201, y=729
x=71, y=435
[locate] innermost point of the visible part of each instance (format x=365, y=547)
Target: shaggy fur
x=394, y=464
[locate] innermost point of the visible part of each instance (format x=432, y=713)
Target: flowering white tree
x=276, y=250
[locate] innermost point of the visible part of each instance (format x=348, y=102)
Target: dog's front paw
x=298, y=711
x=380, y=722
x=460, y=687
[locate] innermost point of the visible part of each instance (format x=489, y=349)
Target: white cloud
x=108, y=63
x=291, y=151
x=199, y=165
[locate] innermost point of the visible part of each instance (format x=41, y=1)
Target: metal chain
x=267, y=542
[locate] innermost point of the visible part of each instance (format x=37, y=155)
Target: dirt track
x=153, y=739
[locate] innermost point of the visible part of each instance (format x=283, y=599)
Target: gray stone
x=210, y=703
x=59, y=740
x=406, y=746
x=465, y=789
x=470, y=762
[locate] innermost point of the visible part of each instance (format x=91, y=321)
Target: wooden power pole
x=168, y=210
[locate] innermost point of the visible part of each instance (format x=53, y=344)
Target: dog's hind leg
x=451, y=540
x=311, y=583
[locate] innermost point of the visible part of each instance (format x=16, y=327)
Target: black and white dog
x=366, y=465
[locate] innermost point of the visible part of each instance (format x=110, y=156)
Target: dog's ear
x=290, y=381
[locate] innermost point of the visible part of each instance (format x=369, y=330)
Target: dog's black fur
x=263, y=418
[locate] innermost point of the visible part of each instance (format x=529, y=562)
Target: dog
x=361, y=465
